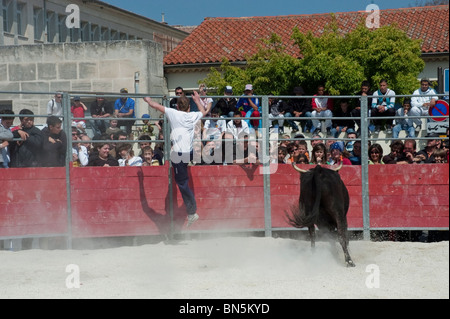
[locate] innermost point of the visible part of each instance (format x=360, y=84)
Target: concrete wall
x=79, y=67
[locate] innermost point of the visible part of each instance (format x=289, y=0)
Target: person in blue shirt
x=124, y=108
x=249, y=107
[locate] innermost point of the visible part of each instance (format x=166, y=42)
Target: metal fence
x=263, y=136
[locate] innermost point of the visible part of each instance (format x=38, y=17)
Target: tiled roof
x=235, y=38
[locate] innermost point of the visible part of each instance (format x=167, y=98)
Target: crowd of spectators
x=231, y=135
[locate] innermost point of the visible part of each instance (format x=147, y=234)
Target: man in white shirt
x=238, y=126
x=54, y=106
x=183, y=123
x=420, y=104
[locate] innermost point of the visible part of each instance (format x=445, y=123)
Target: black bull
x=324, y=202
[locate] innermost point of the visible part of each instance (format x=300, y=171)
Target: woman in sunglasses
x=375, y=154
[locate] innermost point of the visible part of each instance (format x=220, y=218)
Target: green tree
x=340, y=61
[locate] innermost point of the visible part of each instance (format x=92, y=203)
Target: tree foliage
x=340, y=61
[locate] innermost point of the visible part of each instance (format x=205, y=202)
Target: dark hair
x=398, y=145
x=123, y=146
x=145, y=137
x=7, y=112
x=377, y=147
x=53, y=121
x=25, y=112
x=365, y=83
x=383, y=80
x=119, y=133
x=215, y=110
x=317, y=147
x=238, y=113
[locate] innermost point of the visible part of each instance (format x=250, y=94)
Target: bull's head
x=305, y=171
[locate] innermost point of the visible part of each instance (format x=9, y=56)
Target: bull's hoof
x=350, y=263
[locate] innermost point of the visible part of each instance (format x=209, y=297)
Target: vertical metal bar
x=264, y=132
x=167, y=147
x=68, y=130
x=365, y=166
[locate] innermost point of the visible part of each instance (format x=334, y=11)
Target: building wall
x=44, y=21
x=78, y=67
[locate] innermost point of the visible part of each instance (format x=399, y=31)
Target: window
x=21, y=20
x=38, y=20
x=6, y=12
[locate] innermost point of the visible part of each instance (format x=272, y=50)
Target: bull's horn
x=338, y=168
x=298, y=169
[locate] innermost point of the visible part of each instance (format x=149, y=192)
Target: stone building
x=78, y=46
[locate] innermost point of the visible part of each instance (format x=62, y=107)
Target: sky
x=193, y=12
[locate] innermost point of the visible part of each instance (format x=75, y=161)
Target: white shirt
x=236, y=131
x=54, y=108
x=83, y=155
x=134, y=161
x=214, y=128
x=182, y=125
x=426, y=97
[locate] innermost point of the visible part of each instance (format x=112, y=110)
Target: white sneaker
x=192, y=219
x=418, y=128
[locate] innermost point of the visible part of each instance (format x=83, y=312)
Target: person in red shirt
x=77, y=109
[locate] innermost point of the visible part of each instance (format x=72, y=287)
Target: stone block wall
x=89, y=67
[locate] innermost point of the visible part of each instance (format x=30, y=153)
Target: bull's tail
x=298, y=217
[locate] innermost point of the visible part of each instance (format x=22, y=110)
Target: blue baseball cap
x=337, y=146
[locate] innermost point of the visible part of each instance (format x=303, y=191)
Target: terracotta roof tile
x=235, y=38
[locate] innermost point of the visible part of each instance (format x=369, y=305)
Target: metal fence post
x=167, y=147
x=68, y=130
x=265, y=156
x=365, y=166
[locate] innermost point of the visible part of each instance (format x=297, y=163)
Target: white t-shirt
x=54, y=108
x=182, y=125
x=214, y=128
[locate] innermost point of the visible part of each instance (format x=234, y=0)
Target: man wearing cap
x=424, y=98
x=124, y=108
x=227, y=104
x=250, y=107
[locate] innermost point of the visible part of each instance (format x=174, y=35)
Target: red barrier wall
x=130, y=201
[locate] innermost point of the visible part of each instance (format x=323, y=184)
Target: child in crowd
x=149, y=160
x=113, y=127
x=147, y=128
x=126, y=154
x=282, y=154
x=440, y=155
x=302, y=159
x=77, y=109
x=337, y=154
x=405, y=123
x=319, y=154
